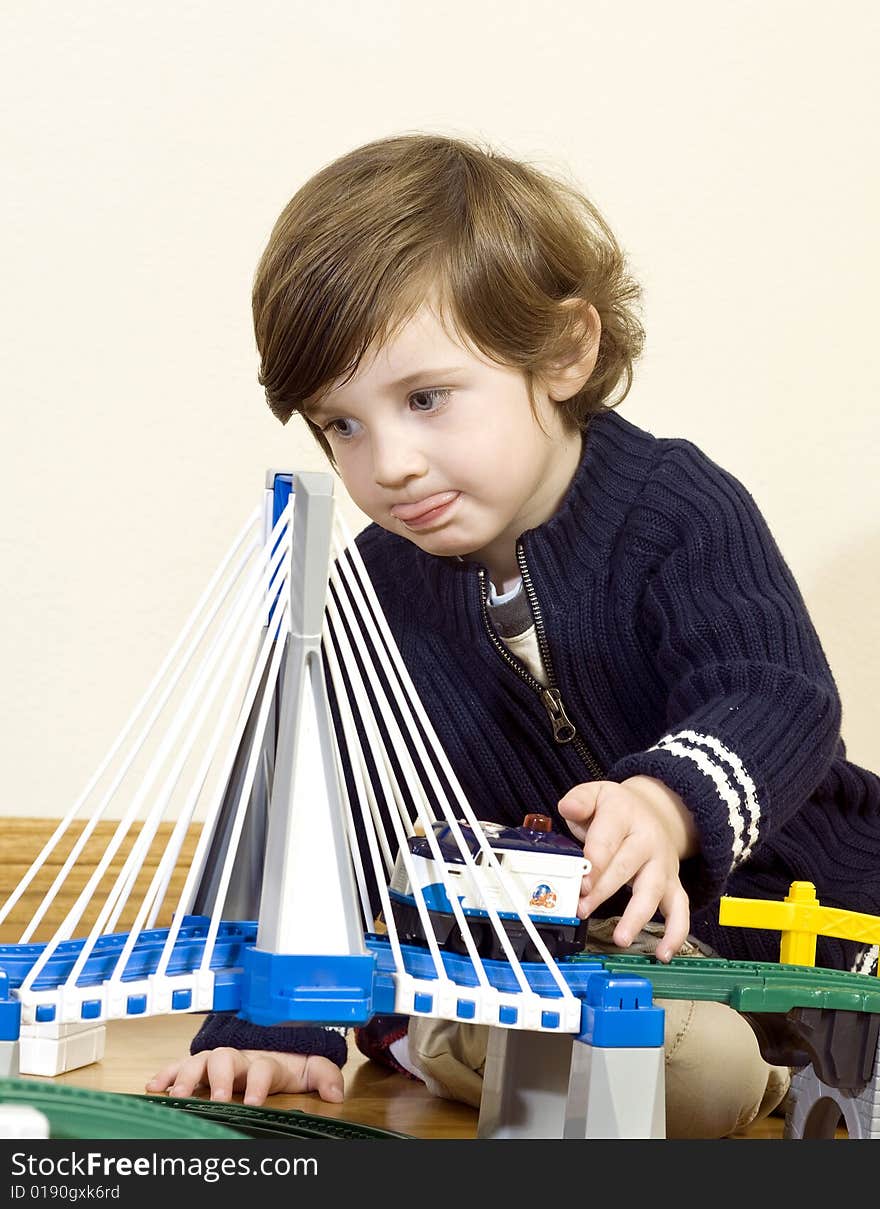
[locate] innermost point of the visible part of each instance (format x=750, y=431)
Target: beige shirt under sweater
x=512, y=620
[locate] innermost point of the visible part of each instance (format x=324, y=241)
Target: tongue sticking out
x=411, y=512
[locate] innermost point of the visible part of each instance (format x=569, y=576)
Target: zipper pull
x=563, y=730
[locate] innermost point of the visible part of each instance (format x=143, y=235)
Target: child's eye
x=344, y=428
x=428, y=400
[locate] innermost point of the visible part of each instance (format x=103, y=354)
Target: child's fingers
x=324, y=1077
x=649, y=893
x=677, y=915
x=293, y=1074
x=578, y=806
x=190, y=1075
x=163, y=1078
x=617, y=864
x=225, y=1071
x=262, y=1074
x=648, y=889
x=605, y=840
x=222, y=1067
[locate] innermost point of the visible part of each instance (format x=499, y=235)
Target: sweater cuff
x=227, y=1029
x=717, y=789
x=376, y=1037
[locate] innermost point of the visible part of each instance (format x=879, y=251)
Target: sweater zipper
x=564, y=730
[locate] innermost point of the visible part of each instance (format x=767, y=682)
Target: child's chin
x=444, y=545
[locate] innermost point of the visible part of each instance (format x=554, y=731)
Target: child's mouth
x=426, y=511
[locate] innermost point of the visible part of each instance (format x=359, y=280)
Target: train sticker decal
x=543, y=896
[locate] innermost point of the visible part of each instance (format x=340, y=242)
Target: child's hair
x=495, y=243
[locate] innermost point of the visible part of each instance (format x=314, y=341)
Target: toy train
x=543, y=868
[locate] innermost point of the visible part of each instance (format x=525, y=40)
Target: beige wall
x=731, y=145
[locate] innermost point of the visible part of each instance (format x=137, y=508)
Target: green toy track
x=274, y=1122
x=78, y=1113
x=748, y=986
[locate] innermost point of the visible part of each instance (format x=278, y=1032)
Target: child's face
x=438, y=444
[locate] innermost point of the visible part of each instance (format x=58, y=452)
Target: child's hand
x=635, y=833
x=256, y=1072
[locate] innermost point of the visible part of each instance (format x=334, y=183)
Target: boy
x=599, y=619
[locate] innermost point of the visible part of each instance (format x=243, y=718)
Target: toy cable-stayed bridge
x=312, y=822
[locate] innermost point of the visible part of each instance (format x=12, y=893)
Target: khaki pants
x=716, y=1080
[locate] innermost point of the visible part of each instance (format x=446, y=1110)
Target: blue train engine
x=542, y=868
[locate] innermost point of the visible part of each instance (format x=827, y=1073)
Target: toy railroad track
x=274, y=1122
x=78, y=1113
x=748, y=986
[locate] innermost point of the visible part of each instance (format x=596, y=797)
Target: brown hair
x=498, y=242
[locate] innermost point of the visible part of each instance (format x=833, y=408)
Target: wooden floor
x=136, y=1049
x=21, y=841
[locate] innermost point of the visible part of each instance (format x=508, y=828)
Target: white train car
x=543, y=868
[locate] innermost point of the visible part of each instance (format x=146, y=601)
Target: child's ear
x=567, y=376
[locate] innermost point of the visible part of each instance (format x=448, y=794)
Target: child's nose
x=396, y=461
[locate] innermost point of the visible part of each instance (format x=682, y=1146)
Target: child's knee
x=716, y=1080
x=450, y=1056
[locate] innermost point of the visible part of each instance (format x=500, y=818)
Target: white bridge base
x=544, y=1085
x=53, y=1049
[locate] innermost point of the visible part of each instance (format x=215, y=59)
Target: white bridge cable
x=220, y=648
x=205, y=690
x=274, y=639
x=169, y=857
x=379, y=751
x=245, y=597
x=405, y=681
x=277, y=647
x=353, y=846
x=272, y=532
x=365, y=791
x=349, y=561
x=413, y=783
x=135, y=748
x=168, y=661
x=224, y=651
x=363, y=783
x=176, y=842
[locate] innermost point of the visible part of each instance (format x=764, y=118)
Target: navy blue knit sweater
x=682, y=650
